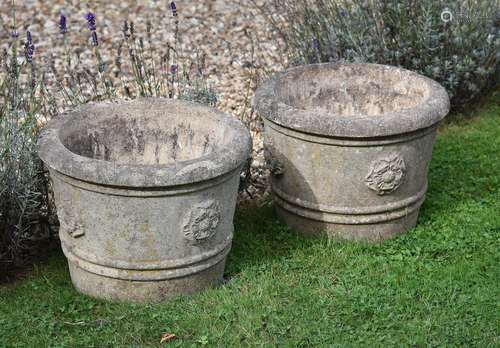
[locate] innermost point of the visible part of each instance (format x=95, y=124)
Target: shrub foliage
x=456, y=43
x=23, y=195
x=33, y=90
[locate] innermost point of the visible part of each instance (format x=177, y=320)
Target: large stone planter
x=349, y=146
x=145, y=193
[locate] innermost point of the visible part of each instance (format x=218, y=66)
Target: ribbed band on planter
x=349, y=146
x=145, y=193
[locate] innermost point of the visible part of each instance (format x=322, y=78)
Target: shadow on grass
x=261, y=238
x=11, y=272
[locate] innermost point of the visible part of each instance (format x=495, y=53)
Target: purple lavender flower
x=173, y=69
x=315, y=44
x=173, y=7
x=90, y=17
x=29, y=47
x=63, y=28
x=14, y=34
x=95, y=41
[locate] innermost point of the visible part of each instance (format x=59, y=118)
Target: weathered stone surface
x=349, y=146
x=145, y=192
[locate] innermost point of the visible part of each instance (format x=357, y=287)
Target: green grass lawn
x=437, y=285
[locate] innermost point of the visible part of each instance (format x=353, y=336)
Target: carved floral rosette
x=200, y=223
x=386, y=174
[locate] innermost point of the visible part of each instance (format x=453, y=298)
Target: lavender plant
x=456, y=43
x=138, y=69
x=32, y=90
x=23, y=190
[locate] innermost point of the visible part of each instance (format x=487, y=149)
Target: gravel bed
x=234, y=40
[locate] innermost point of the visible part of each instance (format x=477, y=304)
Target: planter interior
x=347, y=92
x=143, y=139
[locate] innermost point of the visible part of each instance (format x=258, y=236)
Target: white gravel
x=239, y=47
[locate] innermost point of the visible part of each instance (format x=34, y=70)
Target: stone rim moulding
x=432, y=109
x=222, y=160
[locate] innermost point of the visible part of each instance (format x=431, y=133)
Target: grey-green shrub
x=23, y=196
x=456, y=43
x=31, y=91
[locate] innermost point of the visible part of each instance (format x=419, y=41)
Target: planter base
x=144, y=291
x=368, y=232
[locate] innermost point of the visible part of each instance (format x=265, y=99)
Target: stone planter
x=349, y=146
x=145, y=192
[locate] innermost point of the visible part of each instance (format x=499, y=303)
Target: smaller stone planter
x=349, y=147
x=145, y=193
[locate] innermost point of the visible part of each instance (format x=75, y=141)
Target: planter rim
x=426, y=113
x=222, y=160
